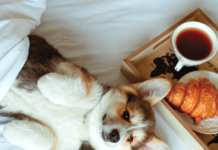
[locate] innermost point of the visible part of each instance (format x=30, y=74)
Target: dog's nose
x=114, y=136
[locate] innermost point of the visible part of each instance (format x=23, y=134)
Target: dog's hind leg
x=69, y=90
x=29, y=135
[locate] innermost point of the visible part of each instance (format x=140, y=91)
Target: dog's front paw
x=62, y=89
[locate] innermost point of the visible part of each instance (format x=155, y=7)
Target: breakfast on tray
x=197, y=98
x=194, y=97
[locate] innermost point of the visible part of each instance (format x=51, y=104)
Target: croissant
x=197, y=98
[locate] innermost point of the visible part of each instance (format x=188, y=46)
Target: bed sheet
x=99, y=34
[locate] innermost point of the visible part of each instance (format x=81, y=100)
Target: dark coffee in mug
x=194, y=44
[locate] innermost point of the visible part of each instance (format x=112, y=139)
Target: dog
x=57, y=105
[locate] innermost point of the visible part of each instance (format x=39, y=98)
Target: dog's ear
x=153, y=90
x=155, y=144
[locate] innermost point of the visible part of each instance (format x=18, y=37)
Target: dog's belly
x=66, y=122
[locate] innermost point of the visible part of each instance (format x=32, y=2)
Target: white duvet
x=97, y=34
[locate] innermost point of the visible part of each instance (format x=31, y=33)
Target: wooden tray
x=157, y=59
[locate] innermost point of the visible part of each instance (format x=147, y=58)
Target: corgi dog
x=57, y=105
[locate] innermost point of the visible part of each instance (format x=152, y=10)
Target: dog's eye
x=104, y=116
x=126, y=115
x=130, y=139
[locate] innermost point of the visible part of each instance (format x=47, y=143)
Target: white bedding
x=99, y=34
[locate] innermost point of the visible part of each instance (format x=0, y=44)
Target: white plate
x=208, y=126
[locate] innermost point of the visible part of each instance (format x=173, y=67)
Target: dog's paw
x=62, y=89
x=28, y=135
x=9, y=130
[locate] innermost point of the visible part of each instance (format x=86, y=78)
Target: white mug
x=182, y=60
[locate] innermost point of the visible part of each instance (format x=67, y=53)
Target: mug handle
x=179, y=65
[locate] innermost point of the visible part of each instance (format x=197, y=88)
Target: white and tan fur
x=60, y=106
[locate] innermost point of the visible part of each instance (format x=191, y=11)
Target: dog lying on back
x=60, y=106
